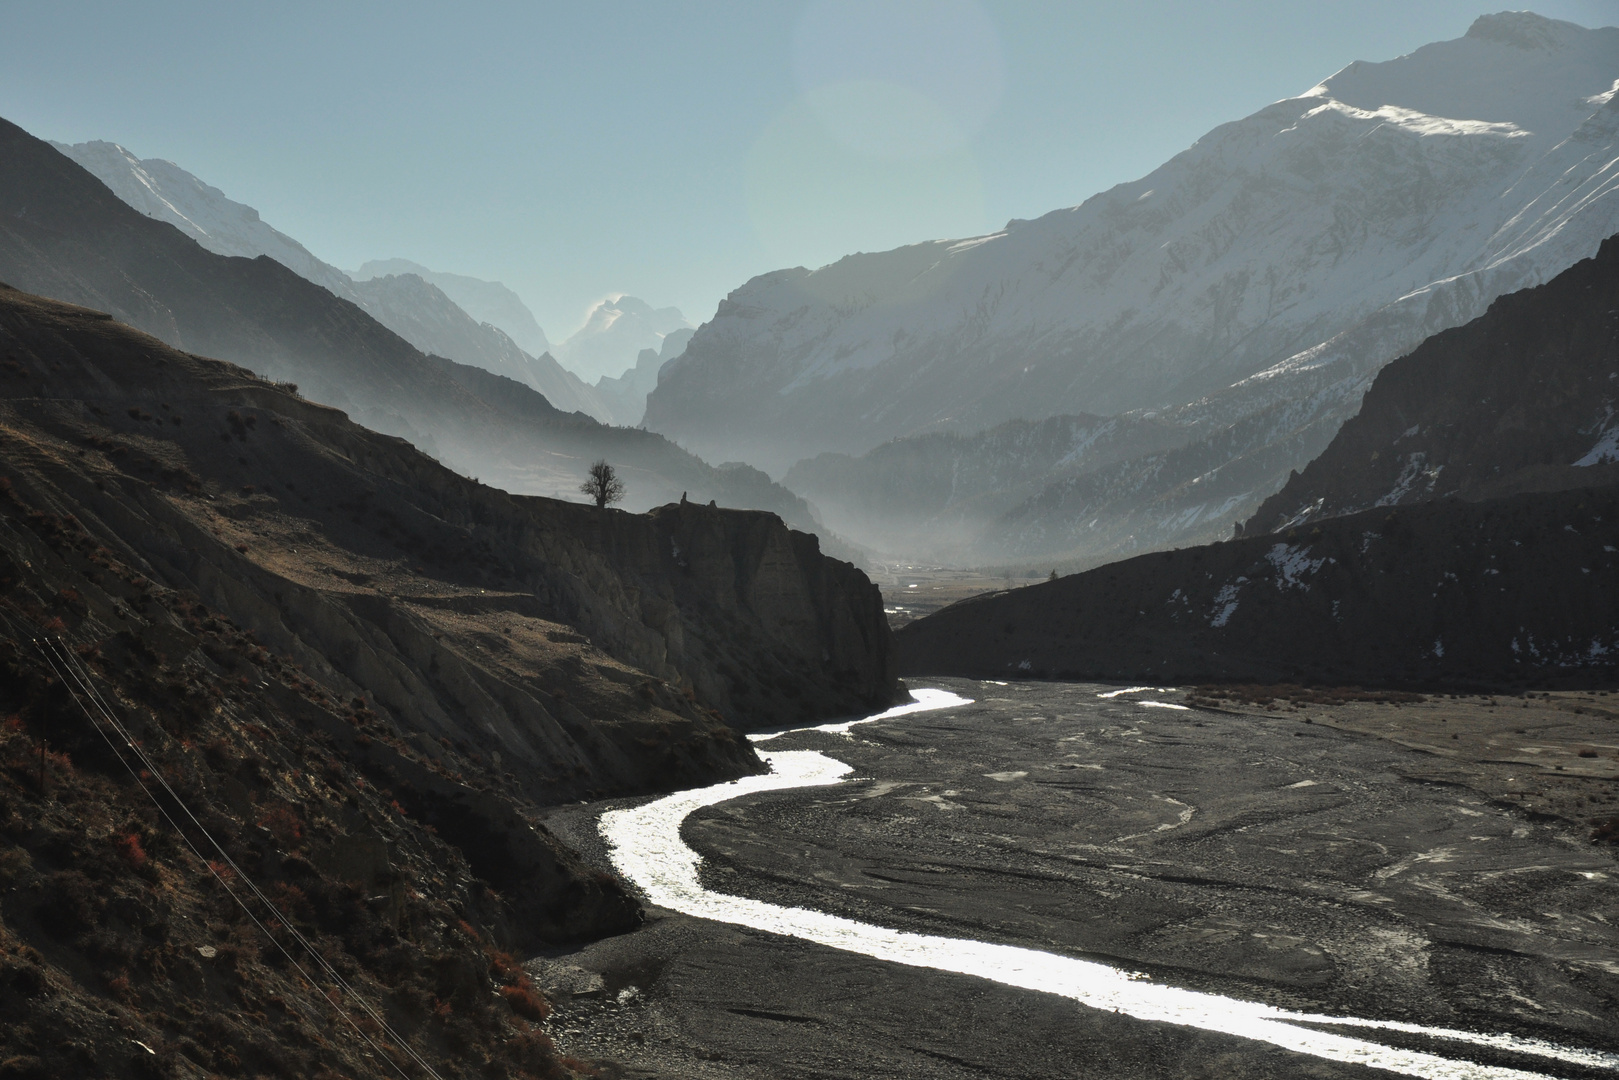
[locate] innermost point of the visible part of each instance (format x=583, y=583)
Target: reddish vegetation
x=95, y=880
x=129, y=846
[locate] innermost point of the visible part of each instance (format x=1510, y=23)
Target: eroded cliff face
x=578, y=652
x=361, y=674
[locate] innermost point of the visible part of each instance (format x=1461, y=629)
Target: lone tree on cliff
x=602, y=484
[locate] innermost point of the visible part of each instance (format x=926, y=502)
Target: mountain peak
x=617, y=328
x=1523, y=30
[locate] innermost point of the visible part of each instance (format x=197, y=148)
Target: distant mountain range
x=625, y=396
x=1459, y=532
x=65, y=235
x=931, y=496
x=615, y=333
x=466, y=319
x=1248, y=290
x=486, y=301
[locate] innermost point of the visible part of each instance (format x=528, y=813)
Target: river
x=1089, y=741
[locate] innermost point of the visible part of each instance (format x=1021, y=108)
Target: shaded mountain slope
x=566, y=638
x=1506, y=593
x=933, y=495
x=1523, y=398
x=1256, y=282
x=64, y=234
x=486, y=301
x=443, y=314
x=123, y=954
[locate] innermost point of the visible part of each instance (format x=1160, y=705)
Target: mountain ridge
x=408, y=301
x=1523, y=398
x=1283, y=258
x=64, y=234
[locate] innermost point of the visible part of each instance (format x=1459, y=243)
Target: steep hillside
x=1523, y=398
x=162, y=190
x=341, y=678
x=1511, y=592
x=408, y=299
x=1256, y=282
x=567, y=637
x=932, y=496
x=486, y=301
x=64, y=234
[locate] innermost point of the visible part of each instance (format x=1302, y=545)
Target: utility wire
x=53, y=651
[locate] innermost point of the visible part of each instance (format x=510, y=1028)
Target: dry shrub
x=526, y=1003
x=504, y=968
x=291, y=901
x=284, y=824
x=130, y=849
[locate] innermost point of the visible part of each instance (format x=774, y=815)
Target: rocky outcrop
x=1516, y=591
x=588, y=652
x=1523, y=398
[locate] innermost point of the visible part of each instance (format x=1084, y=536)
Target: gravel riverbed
x=1354, y=860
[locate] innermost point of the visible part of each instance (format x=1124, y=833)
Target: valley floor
x=912, y=592
x=1353, y=859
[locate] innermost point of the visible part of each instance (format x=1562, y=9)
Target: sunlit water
x=647, y=848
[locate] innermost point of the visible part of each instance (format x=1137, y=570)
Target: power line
x=53, y=651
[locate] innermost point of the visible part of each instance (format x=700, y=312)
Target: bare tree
x=602, y=484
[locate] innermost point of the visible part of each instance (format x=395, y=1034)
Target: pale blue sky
x=673, y=150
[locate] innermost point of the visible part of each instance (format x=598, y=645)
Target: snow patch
x=1225, y=604
x=1605, y=450
x=1293, y=563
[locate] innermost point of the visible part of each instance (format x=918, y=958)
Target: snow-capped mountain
x=486, y=301
x=615, y=332
x=1262, y=275
x=411, y=305
x=161, y=189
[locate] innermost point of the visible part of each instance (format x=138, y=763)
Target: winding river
x=647, y=848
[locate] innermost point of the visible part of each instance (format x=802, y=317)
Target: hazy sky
x=673, y=150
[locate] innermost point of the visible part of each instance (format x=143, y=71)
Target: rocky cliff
x=565, y=637
x=1523, y=398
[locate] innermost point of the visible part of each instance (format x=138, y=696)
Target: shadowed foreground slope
x=362, y=673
